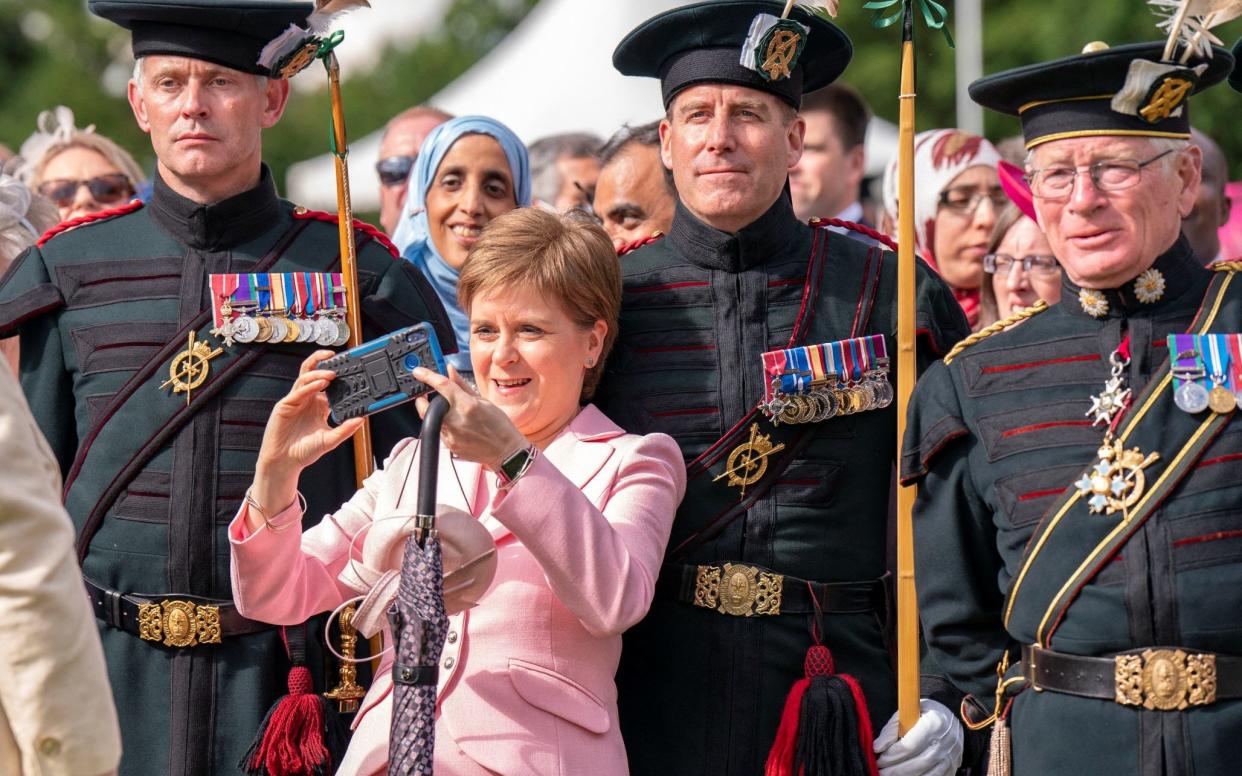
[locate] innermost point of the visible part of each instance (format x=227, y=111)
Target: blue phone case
x=377, y=375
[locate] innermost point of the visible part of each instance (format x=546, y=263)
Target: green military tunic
x=995, y=439
x=151, y=483
x=701, y=691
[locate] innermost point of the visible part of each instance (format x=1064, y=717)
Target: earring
x=590, y=362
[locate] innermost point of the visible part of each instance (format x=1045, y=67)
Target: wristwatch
x=513, y=467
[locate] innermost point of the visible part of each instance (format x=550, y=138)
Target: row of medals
x=1192, y=397
x=329, y=330
x=822, y=402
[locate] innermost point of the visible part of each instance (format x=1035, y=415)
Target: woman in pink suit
x=580, y=513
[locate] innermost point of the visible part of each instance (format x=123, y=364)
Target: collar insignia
x=1093, y=302
x=1149, y=286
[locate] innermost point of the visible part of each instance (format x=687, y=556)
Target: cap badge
x=1155, y=91
x=773, y=46
x=1166, y=95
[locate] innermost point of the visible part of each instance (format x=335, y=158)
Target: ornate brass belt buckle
x=179, y=623
x=739, y=590
x=1165, y=679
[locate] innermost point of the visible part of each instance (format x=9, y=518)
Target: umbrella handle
x=429, y=466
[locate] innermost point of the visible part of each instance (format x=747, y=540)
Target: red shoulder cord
x=65, y=226
x=361, y=226
x=633, y=246
x=874, y=234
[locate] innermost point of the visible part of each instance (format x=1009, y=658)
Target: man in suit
x=56, y=712
x=780, y=545
x=152, y=412
x=824, y=183
x=1077, y=528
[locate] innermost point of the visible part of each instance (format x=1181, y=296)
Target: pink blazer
x=526, y=677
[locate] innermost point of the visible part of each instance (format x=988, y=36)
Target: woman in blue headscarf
x=469, y=171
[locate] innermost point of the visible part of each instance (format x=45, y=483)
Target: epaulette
x=853, y=226
x=995, y=328
x=631, y=247
x=359, y=225
x=90, y=218
x=1227, y=266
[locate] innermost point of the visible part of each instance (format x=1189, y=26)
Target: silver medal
x=245, y=330
x=1191, y=397
x=279, y=330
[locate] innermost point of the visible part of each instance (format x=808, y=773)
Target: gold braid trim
x=995, y=328
x=1227, y=266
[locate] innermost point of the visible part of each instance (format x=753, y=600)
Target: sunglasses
x=395, y=170
x=104, y=189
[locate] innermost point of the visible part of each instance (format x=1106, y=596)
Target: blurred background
x=543, y=66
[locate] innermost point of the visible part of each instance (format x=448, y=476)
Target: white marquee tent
x=552, y=74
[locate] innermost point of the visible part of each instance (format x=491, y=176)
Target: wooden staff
x=907, y=603
x=348, y=693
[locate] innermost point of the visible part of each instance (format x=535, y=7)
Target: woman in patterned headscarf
x=956, y=200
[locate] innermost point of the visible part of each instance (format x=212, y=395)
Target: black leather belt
x=745, y=591
x=173, y=620
x=1162, y=678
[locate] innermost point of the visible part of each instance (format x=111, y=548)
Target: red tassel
x=291, y=739
x=801, y=711
x=780, y=758
x=866, y=739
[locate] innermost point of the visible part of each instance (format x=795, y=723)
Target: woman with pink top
x=579, y=512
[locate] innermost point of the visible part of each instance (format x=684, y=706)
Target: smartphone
x=378, y=374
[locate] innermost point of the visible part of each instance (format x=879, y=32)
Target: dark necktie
x=419, y=624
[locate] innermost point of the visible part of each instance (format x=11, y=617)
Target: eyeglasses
x=395, y=170
x=104, y=189
x=964, y=200
x=1038, y=264
x=1108, y=175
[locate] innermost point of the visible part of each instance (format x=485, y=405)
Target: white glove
x=933, y=747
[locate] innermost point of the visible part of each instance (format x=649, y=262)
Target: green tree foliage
x=1016, y=33
x=54, y=52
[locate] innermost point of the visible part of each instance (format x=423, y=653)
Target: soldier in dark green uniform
x=778, y=518
x=1079, y=521
x=153, y=473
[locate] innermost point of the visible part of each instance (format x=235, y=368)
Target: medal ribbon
x=773, y=367
x=280, y=305
x=336, y=282
x=306, y=284
x=1184, y=348
x=261, y=297
x=1218, y=357
x=1234, y=342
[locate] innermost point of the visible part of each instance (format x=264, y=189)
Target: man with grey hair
x=138, y=368
x=563, y=170
x=634, y=196
x=1078, y=485
x=1212, y=206
x=403, y=136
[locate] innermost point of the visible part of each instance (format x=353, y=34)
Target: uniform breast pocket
x=809, y=482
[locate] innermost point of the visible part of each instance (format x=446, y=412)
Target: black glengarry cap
x=1126, y=90
x=231, y=33
x=707, y=42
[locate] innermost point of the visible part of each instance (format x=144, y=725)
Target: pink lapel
x=579, y=452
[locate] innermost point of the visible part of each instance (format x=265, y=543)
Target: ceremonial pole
x=364, y=462
x=907, y=602
x=348, y=693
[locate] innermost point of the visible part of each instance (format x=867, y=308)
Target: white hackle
x=328, y=11
x=825, y=8
x=1189, y=22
